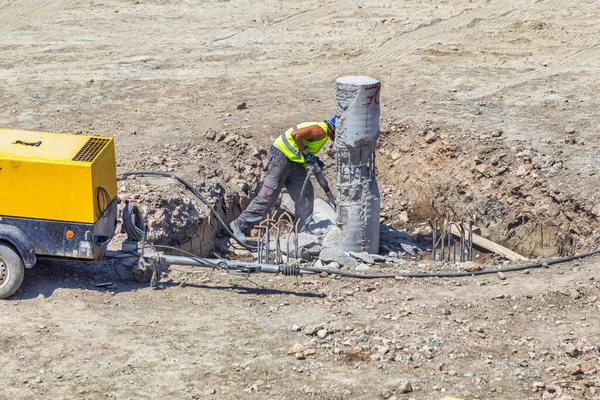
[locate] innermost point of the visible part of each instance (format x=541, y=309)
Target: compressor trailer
x=58, y=198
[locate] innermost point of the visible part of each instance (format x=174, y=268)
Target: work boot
x=238, y=234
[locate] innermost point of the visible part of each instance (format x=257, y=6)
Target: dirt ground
x=489, y=109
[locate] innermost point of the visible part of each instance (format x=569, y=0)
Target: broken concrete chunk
x=335, y=255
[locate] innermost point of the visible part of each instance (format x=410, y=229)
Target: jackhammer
x=316, y=167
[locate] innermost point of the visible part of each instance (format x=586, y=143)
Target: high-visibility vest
x=288, y=146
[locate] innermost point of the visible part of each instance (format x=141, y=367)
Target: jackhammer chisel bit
x=317, y=171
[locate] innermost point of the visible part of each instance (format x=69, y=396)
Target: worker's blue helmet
x=331, y=123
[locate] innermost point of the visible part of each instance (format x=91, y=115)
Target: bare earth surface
x=489, y=108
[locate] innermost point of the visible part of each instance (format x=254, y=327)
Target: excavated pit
x=514, y=194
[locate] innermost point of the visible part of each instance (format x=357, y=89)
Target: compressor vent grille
x=90, y=150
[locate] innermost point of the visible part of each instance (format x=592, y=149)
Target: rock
x=404, y=388
x=333, y=265
x=211, y=134
x=588, y=368
x=38, y=379
x=501, y=276
x=221, y=136
x=471, y=266
x=524, y=169
x=403, y=217
x=312, y=330
x=362, y=267
x=395, y=155
x=431, y=137
x=310, y=352
x=386, y=394
x=322, y=333
x=241, y=106
x=299, y=356
x=572, y=351
x=596, y=210
x=366, y=258
x=538, y=386
x=574, y=369
x=550, y=388
x=328, y=255
x=296, y=328
x=575, y=294
x=296, y=348
x=482, y=168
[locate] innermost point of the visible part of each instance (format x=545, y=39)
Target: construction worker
x=288, y=158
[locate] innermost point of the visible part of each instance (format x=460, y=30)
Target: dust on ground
x=201, y=89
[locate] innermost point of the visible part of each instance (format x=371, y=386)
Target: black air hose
x=191, y=188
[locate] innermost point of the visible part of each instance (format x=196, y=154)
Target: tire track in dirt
x=30, y=12
x=256, y=33
x=438, y=30
x=576, y=61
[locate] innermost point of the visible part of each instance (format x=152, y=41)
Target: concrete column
x=357, y=130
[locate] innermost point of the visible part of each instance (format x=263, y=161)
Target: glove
x=310, y=159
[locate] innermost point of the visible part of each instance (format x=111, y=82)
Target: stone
x=300, y=356
x=296, y=328
x=596, y=210
x=362, y=267
x=404, y=388
x=310, y=352
x=550, y=388
x=335, y=255
x=572, y=351
x=502, y=276
x=403, y=217
x=575, y=294
x=312, y=330
x=524, y=169
x=588, y=368
x=482, y=168
x=296, y=348
x=322, y=333
x=366, y=258
x=574, y=369
x=471, y=266
x=431, y=137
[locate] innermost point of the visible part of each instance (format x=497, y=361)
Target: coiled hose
x=191, y=188
x=133, y=222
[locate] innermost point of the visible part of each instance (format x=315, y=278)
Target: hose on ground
x=452, y=274
x=192, y=189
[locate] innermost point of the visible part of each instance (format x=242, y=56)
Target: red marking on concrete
x=374, y=97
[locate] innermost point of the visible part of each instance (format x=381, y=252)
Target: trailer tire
x=12, y=270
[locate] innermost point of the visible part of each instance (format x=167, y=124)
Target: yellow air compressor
x=57, y=199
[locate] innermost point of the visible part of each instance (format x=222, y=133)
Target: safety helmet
x=331, y=123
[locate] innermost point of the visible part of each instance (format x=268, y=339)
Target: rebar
x=452, y=240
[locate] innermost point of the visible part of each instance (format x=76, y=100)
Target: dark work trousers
x=281, y=172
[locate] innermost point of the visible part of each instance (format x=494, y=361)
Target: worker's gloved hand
x=310, y=159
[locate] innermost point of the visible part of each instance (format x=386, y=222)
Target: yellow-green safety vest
x=288, y=146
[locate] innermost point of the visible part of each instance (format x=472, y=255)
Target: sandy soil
x=159, y=75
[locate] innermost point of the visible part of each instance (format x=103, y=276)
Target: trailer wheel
x=142, y=275
x=12, y=271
